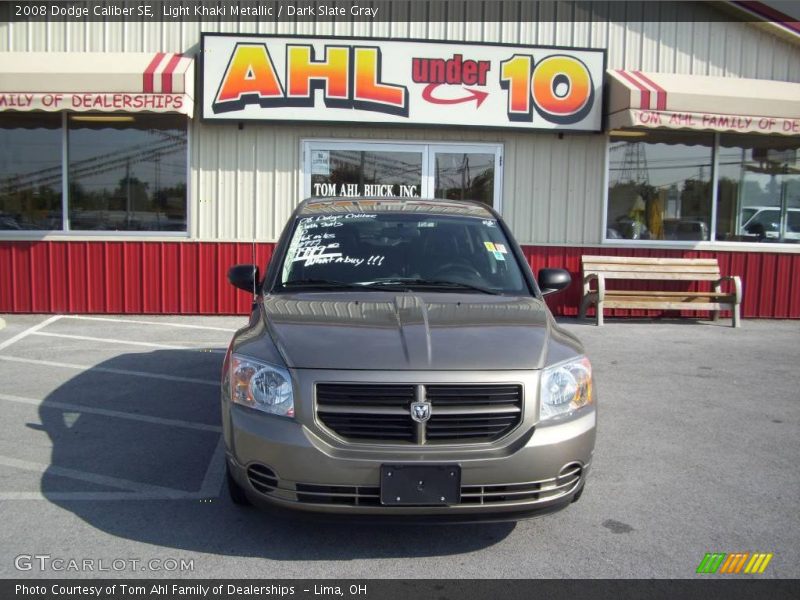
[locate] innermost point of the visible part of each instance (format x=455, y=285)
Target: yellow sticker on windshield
x=489, y=246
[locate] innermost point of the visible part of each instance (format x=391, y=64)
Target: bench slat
x=652, y=268
x=646, y=293
x=667, y=305
x=660, y=299
x=662, y=276
x=644, y=260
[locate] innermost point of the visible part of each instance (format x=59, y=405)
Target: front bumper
x=281, y=462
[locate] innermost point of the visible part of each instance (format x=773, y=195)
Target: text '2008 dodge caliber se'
x=400, y=360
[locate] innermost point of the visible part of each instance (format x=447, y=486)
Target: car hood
x=408, y=331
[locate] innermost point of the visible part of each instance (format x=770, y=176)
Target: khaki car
x=400, y=361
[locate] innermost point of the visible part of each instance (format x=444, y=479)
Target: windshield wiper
x=319, y=283
x=433, y=283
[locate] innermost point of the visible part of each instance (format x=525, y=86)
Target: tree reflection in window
x=127, y=173
x=465, y=176
x=30, y=171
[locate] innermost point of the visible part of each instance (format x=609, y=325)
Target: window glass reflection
x=127, y=173
x=30, y=171
x=759, y=189
x=359, y=173
x=465, y=176
x=660, y=186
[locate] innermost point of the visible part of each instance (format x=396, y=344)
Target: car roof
x=316, y=206
x=773, y=207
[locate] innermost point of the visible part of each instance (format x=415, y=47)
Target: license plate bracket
x=420, y=485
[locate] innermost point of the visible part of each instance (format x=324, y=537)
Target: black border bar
x=341, y=11
x=701, y=588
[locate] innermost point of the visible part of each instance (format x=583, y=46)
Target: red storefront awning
x=106, y=82
x=666, y=100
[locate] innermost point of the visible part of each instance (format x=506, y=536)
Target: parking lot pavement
x=110, y=451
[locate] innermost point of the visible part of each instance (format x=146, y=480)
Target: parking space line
x=112, y=413
x=50, y=363
x=215, y=474
x=29, y=331
x=126, y=342
x=99, y=496
x=115, y=482
x=136, y=321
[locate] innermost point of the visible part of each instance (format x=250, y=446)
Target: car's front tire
x=578, y=495
x=235, y=491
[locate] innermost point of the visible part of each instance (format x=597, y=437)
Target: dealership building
x=139, y=160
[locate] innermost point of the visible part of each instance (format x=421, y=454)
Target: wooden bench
x=602, y=268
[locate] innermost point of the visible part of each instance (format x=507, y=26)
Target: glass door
x=462, y=172
x=403, y=170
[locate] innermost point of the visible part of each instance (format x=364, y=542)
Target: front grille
x=380, y=413
x=348, y=495
x=460, y=395
x=265, y=481
x=367, y=412
x=547, y=489
x=481, y=413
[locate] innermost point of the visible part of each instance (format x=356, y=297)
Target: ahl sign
x=400, y=82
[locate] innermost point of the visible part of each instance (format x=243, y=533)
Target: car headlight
x=261, y=386
x=565, y=388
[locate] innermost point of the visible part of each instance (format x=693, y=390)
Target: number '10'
x=559, y=87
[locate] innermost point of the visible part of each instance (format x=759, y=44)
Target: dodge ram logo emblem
x=420, y=411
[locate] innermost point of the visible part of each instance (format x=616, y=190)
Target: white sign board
x=320, y=162
x=400, y=82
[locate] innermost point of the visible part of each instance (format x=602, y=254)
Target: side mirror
x=553, y=280
x=244, y=277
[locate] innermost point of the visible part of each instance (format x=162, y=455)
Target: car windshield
x=390, y=250
x=770, y=219
x=747, y=213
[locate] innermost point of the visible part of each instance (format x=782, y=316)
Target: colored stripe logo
x=147, y=83
x=661, y=93
x=737, y=562
x=160, y=75
x=648, y=90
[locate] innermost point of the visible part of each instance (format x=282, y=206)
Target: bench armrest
x=737, y=286
x=601, y=285
x=587, y=278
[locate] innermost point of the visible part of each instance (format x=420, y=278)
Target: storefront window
x=123, y=172
x=127, y=172
x=465, y=176
x=30, y=171
x=403, y=170
x=660, y=186
x=365, y=173
x=759, y=189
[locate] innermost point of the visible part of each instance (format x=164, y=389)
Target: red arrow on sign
x=477, y=95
